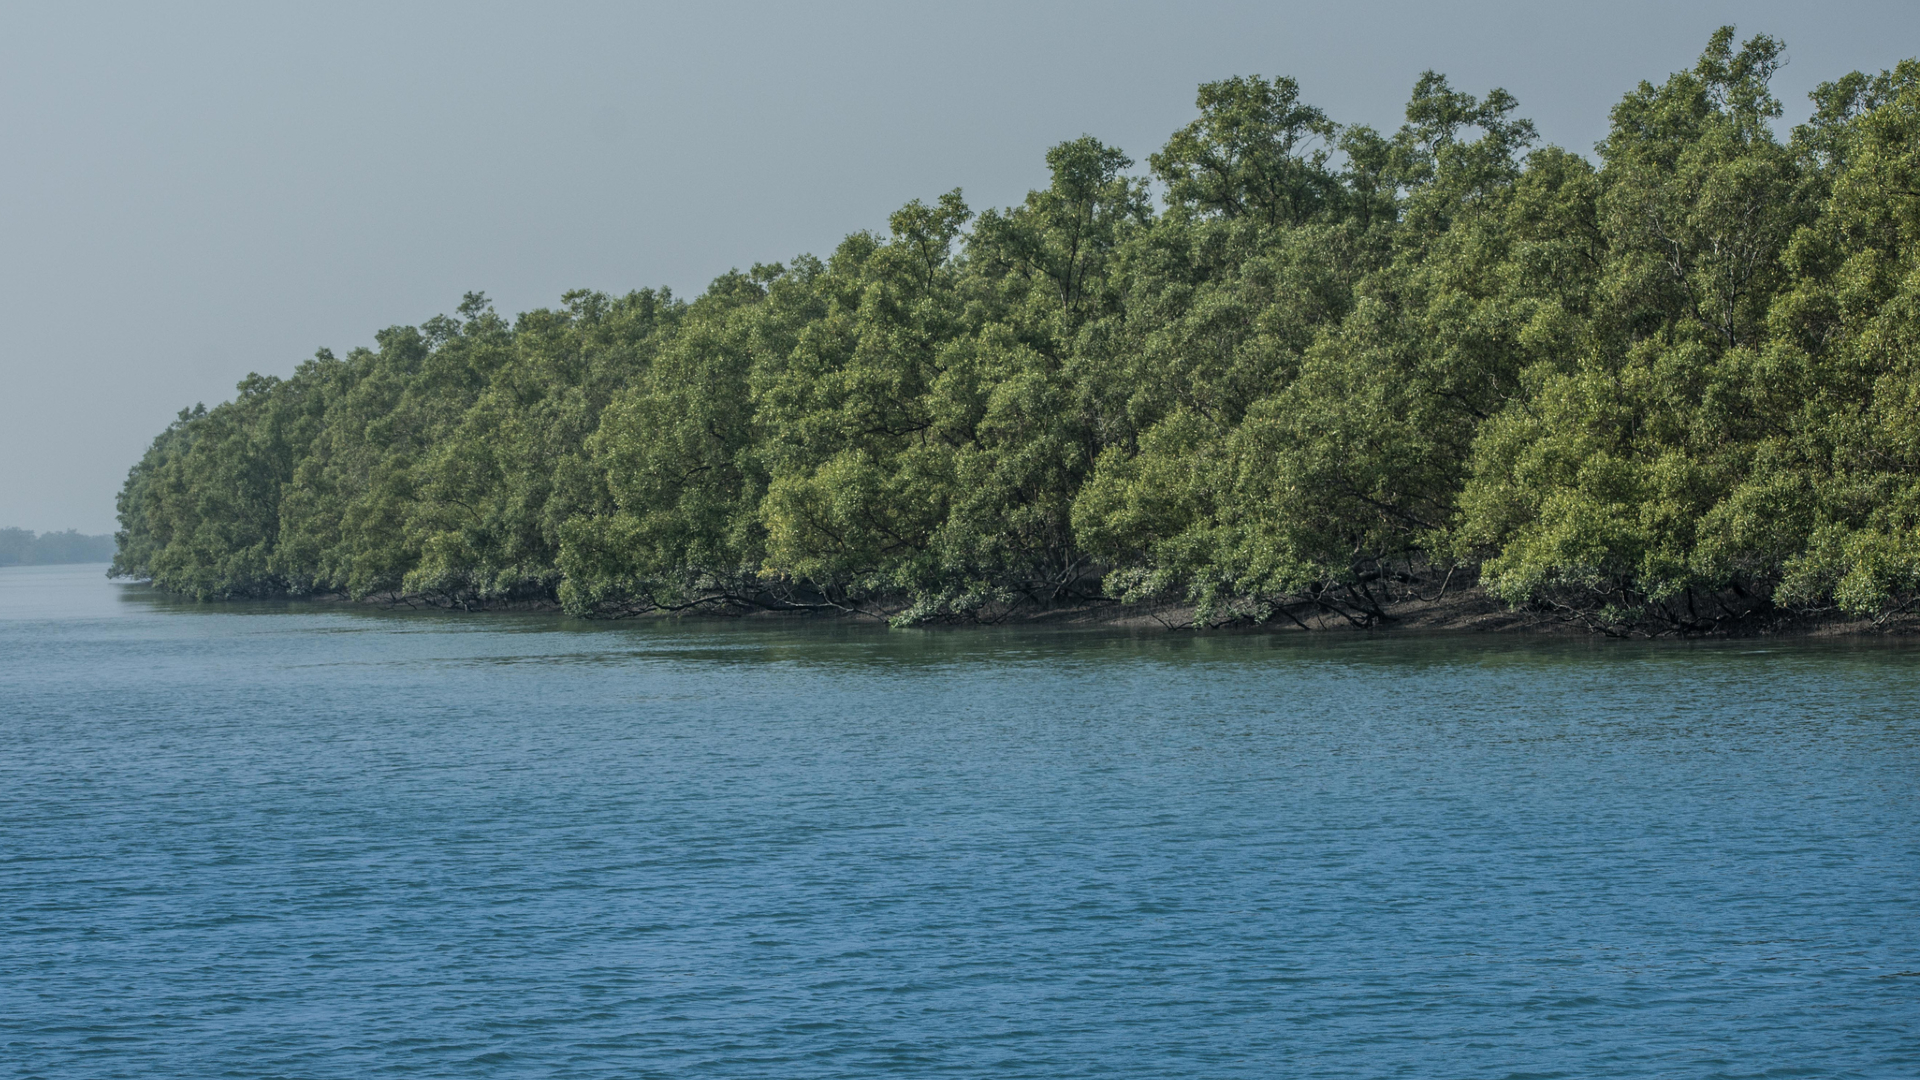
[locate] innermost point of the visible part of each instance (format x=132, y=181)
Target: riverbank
x=1459, y=610
x=1467, y=610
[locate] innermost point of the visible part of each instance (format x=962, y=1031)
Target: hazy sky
x=191, y=195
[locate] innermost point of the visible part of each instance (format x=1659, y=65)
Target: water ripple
x=286, y=841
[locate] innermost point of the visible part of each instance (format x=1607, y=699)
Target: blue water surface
x=311, y=841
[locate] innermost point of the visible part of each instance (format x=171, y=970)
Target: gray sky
x=188, y=196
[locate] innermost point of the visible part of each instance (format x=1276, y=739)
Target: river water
x=307, y=841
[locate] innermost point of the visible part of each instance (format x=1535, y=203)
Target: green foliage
x=1728, y=437
x=1334, y=367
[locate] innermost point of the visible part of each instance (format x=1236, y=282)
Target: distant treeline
x=1297, y=366
x=20, y=547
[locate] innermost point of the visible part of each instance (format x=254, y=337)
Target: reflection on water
x=286, y=839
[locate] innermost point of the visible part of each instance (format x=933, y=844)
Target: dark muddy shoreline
x=1464, y=610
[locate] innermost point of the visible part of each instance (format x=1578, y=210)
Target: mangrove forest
x=1286, y=365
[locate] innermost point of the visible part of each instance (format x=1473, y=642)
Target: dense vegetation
x=20, y=547
x=1327, y=369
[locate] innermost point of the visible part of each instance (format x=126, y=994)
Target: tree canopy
x=1294, y=364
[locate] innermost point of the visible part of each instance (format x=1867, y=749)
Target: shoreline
x=1467, y=610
